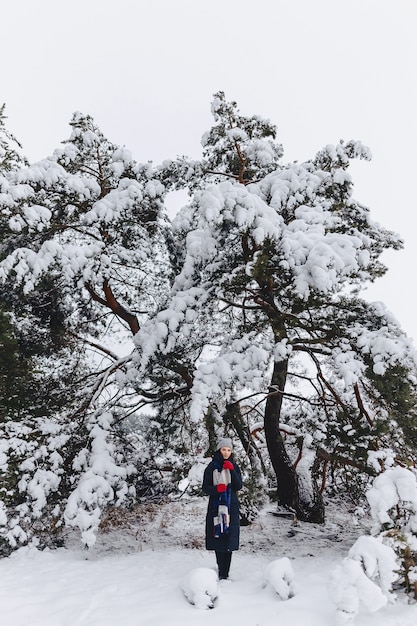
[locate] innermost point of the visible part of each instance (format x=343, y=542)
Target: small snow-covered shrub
x=378, y=561
x=393, y=502
x=350, y=588
x=279, y=574
x=200, y=587
x=364, y=578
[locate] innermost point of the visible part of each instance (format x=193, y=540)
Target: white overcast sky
x=321, y=70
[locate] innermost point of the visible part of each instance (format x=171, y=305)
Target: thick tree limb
x=361, y=406
x=332, y=457
x=112, y=303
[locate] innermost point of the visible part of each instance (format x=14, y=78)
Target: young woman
x=222, y=479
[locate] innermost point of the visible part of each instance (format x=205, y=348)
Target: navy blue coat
x=230, y=541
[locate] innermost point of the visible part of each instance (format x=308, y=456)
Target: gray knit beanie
x=224, y=442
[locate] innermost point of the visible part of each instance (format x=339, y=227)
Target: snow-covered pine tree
x=14, y=371
x=11, y=157
x=33, y=384
x=84, y=230
x=247, y=307
x=275, y=255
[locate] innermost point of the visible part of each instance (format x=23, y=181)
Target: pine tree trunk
x=308, y=507
x=234, y=416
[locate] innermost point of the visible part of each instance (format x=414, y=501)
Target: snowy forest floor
x=132, y=576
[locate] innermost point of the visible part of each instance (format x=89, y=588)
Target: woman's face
x=225, y=452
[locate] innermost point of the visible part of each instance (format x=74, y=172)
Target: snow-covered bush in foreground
x=378, y=561
x=393, y=502
x=200, y=587
x=279, y=574
x=364, y=578
x=349, y=588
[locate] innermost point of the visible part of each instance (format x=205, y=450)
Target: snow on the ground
x=135, y=574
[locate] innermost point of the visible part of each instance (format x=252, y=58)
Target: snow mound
x=200, y=587
x=279, y=574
